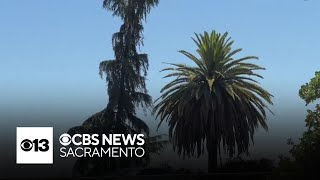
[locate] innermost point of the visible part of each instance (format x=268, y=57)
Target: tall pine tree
x=125, y=76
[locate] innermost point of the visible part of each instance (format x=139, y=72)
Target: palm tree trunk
x=212, y=157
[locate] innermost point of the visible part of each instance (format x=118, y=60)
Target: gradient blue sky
x=50, y=52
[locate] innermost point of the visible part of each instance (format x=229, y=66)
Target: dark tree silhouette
x=215, y=103
x=125, y=76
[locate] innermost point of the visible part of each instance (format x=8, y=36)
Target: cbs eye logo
x=34, y=145
x=37, y=145
x=65, y=139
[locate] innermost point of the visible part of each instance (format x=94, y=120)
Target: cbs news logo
x=34, y=145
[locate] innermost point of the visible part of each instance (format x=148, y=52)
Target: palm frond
x=215, y=103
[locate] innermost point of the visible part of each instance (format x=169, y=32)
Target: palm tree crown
x=217, y=103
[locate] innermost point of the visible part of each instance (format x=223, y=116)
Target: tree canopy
x=215, y=103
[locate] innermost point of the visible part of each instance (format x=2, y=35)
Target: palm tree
x=216, y=103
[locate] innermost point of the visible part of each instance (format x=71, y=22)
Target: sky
x=50, y=52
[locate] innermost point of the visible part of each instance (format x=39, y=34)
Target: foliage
x=125, y=76
x=306, y=152
x=216, y=103
x=310, y=91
